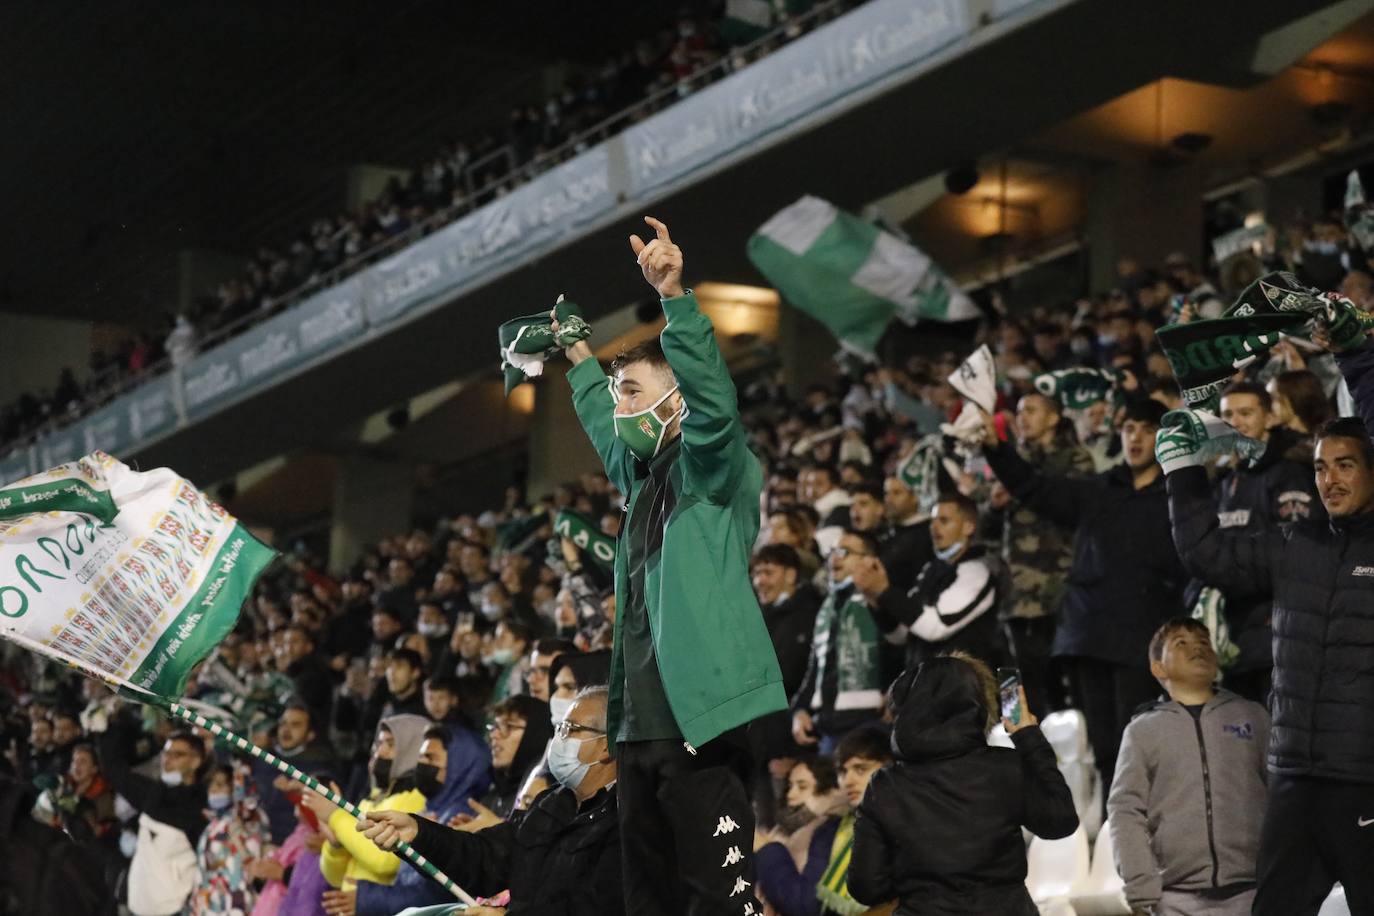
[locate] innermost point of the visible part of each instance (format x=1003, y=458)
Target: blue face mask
x=218, y=801
x=951, y=551
x=564, y=763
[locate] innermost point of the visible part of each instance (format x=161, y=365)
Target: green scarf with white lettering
x=844, y=618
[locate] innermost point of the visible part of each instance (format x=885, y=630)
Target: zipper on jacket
x=1207, y=795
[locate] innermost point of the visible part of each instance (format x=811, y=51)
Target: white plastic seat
x=1067, y=733
x=1335, y=904
x=1055, y=869
x=1104, y=893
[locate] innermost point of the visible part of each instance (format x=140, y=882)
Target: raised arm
x=1048, y=804
x=713, y=439
x=1232, y=561
x=595, y=408
x=1357, y=368
x=1060, y=499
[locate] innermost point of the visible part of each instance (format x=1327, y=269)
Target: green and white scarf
x=920, y=470
x=858, y=679
x=1210, y=609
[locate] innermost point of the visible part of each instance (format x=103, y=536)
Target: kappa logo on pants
x=725, y=825
x=740, y=886
x=733, y=857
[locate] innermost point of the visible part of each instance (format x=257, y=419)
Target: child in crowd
x=1189, y=794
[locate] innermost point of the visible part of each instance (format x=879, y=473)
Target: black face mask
x=427, y=780
x=381, y=773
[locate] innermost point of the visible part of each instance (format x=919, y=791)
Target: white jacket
x=163, y=871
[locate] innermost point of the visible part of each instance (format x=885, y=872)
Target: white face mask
x=128, y=844
x=432, y=630
x=558, y=708
x=564, y=763
x=172, y=777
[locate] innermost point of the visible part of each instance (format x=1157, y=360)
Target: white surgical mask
x=172, y=778
x=564, y=763
x=218, y=801
x=432, y=630
x=499, y=657
x=558, y=708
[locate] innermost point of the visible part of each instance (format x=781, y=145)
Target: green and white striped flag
x=135, y=576
x=747, y=20
x=852, y=276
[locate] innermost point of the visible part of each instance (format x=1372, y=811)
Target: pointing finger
x=659, y=227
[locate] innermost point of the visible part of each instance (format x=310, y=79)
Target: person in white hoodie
x=171, y=815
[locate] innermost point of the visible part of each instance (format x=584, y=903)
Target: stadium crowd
x=461, y=670
x=704, y=43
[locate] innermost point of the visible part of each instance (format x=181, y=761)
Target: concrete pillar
x=1145, y=212
x=806, y=348
x=373, y=500
x=559, y=450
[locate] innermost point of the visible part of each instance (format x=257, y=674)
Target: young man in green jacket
x=692, y=663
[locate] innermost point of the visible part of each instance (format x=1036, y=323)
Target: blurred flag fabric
x=134, y=575
x=594, y=546
x=852, y=276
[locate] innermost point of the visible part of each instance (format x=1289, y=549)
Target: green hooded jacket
x=714, y=655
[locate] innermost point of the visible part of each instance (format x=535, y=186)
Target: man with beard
x=953, y=604
x=297, y=742
x=1321, y=749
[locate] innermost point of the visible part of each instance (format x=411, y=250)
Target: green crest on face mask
x=642, y=431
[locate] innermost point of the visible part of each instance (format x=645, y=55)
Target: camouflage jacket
x=1038, y=553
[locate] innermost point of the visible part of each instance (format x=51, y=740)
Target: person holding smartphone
x=906, y=843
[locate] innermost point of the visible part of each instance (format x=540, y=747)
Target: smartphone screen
x=1009, y=689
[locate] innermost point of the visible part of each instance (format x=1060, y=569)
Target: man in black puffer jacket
x=1317, y=828
x=940, y=829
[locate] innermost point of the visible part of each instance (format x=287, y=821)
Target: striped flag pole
x=134, y=692
x=242, y=744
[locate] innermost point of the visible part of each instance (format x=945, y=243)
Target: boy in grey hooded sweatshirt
x=1188, y=797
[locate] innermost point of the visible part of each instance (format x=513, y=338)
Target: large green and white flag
x=135, y=576
x=852, y=276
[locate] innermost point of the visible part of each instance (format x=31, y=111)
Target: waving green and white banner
x=595, y=546
x=137, y=576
